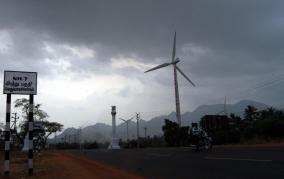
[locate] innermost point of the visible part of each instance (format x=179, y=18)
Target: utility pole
x=145, y=128
x=15, y=117
x=225, y=107
x=55, y=140
x=138, y=118
x=80, y=138
x=14, y=131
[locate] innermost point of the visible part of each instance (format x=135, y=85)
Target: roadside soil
x=59, y=165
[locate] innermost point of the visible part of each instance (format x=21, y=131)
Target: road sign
x=20, y=82
x=23, y=83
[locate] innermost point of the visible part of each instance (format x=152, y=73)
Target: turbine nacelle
x=164, y=65
x=175, y=61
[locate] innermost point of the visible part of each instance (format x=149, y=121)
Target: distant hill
x=102, y=132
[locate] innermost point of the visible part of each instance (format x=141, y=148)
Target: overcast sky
x=91, y=54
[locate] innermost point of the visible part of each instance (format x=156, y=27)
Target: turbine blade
x=179, y=70
x=174, y=49
x=122, y=119
x=130, y=118
x=157, y=67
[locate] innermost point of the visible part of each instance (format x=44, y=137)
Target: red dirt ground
x=57, y=165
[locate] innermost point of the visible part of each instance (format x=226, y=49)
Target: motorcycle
x=202, y=141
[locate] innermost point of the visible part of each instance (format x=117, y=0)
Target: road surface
x=227, y=162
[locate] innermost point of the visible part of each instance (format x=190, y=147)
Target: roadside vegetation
x=257, y=126
x=19, y=130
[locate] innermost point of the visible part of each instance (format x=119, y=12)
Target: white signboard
x=20, y=82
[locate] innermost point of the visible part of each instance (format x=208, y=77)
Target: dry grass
x=19, y=164
x=56, y=165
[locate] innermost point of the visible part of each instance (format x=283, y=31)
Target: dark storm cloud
x=144, y=27
x=241, y=39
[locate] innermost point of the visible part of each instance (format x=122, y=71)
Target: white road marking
x=159, y=155
x=237, y=159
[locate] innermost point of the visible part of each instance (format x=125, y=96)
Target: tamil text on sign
x=19, y=82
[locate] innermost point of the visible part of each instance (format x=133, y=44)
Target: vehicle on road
x=199, y=139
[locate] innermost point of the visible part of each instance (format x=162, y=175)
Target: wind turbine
x=126, y=121
x=174, y=62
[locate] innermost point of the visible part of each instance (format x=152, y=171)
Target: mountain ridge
x=101, y=132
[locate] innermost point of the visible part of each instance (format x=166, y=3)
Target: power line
x=258, y=86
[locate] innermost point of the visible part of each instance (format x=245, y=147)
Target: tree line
x=255, y=126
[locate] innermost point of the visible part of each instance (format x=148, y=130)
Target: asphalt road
x=250, y=162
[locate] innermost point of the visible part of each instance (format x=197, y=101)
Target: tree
x=2, y=129
x=46, y=129
x=50, y=128
x=175, y=135
x=250, y=113
x=170, y=130
x=23, y=104
x=271, y=123
x=2, y=136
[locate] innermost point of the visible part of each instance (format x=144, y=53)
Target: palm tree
x=251, y=113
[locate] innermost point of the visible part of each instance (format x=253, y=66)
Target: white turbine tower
x=174, y=62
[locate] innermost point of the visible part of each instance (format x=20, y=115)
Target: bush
x=273, y=128
x=175, y=135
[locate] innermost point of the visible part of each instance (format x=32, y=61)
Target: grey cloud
x=144, y=27
x=244, y=40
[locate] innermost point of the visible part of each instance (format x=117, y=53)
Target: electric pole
x=15, y=117
x=80, y=138
x=138, y=118
x=55, y=140
x=145, y=128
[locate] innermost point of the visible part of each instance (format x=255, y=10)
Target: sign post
x=7, y=136
x=23, y=83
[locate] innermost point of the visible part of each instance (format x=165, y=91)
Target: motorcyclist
x=200, y=138
x=195, y=134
